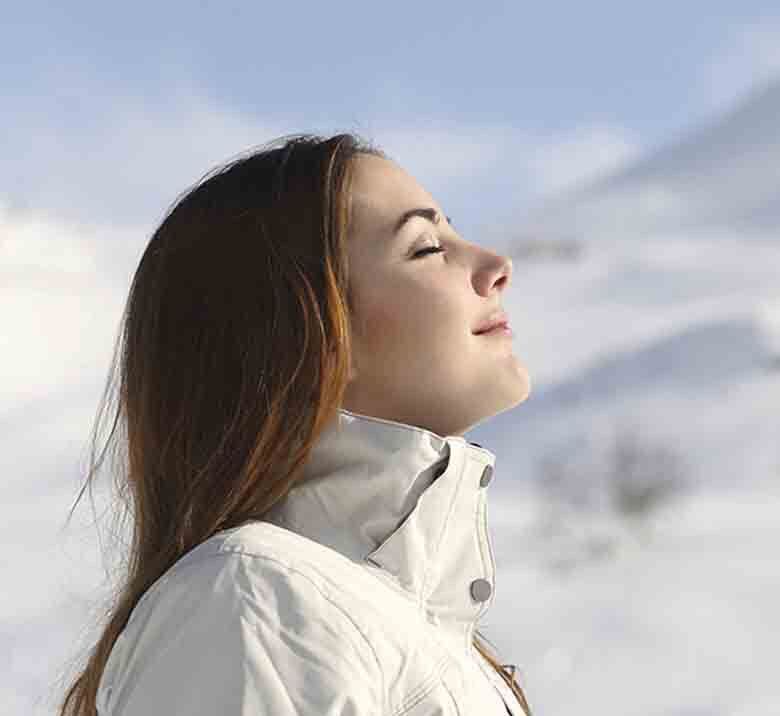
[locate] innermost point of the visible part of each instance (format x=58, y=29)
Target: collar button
x=481, y=590
x=487, y=476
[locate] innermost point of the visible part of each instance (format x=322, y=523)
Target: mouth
x=492, y=321
x=502, y=329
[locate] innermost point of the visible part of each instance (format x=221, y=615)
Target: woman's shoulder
x=263, y=562
x=230, y=615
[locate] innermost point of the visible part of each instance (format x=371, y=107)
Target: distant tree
x=562, y=478
x=591, y=494
x=642, y=475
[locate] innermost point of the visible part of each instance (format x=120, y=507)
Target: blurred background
x=625, y=155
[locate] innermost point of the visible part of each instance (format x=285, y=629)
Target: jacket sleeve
x=235, y=641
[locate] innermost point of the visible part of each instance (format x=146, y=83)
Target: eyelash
x=428, y=250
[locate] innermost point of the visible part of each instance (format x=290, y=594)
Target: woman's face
x=416, y=359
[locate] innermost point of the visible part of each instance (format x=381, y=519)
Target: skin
x=415, y=359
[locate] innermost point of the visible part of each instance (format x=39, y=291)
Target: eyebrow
x=425, y=212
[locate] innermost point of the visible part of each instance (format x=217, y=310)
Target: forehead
x=381, y=192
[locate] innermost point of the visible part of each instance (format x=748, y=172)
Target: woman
x=300, y=360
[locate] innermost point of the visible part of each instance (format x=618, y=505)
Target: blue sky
x=111, y=110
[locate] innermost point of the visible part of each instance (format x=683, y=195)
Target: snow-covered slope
x=720, y=176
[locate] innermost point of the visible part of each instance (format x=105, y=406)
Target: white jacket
x=357, y=595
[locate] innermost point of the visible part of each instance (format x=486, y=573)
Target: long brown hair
x=235, y=351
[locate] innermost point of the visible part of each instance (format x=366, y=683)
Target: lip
x=495, y=319
x=502, y=329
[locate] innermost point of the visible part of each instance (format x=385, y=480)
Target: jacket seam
x=452, y=697
x=334, y=603
x=416, y=695
x=381, y=575
x=388, y=580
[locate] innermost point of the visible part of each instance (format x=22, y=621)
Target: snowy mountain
x=722, y=176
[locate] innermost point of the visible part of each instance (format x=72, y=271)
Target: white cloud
x=129, y=164
x=563, y=162
x=548, y=163
x=59, y=306
x=447, y=152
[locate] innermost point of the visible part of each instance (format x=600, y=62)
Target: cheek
x=396, y=317
x=382, y=325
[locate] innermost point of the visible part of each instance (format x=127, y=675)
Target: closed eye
x=428, y=250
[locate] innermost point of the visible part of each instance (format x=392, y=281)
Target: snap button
x=481, y=590
x=487, y=476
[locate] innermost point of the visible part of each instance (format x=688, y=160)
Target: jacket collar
x=405, y=500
